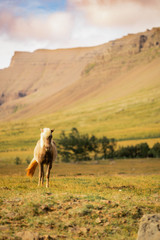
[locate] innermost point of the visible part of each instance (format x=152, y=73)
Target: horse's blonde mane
x=46, y=132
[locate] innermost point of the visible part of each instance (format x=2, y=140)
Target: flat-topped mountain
x=32, y=72
x=47, y=81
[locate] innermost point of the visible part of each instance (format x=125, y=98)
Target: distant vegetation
x=141, y=150
x=77, y=147
x=82, y=147
x=17, y=160
x=89, y=67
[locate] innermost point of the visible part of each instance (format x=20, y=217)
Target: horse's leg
x=49, y=166
x=42, y=172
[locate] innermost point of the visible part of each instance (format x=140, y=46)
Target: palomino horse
x=45, y=152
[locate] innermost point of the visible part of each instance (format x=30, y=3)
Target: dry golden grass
x=106, y=167
x=150, y=142
x=84, y=201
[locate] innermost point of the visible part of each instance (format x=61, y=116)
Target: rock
x=83, y=230
x=45, y=208
x=142, y=41
x=149, y=228
x=26, y=235
x=22, y=94
x=98, y=220
x=48, y=237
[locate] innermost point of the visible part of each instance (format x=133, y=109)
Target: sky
x=27, y=25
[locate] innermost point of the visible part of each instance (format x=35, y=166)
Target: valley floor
x=84, y=201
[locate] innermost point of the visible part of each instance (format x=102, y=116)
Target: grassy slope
x=80, y=207
x=134, y=116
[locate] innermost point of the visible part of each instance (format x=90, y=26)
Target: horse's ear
x=41, y=129
x=52, y=130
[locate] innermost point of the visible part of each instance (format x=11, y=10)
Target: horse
x=45, y=152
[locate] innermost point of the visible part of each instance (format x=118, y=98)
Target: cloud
x=32, y=21
x=29, y=25
x=53, y=26
x=85, y=3
x=119, y=13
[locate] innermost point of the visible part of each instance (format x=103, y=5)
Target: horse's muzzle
x=47, y=149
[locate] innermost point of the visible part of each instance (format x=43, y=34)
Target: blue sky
x=43, y=6
x=27, y=25
x=28, y=7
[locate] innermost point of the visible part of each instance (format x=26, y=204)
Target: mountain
x=111, y=82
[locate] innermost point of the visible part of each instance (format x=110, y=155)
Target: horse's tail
x=31, y=168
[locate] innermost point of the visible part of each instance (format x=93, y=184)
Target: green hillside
x=116, y=93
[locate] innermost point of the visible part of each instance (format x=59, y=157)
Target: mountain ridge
x=110, y=84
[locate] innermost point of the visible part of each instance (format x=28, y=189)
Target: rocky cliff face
x=60, y=77
x=29, y=72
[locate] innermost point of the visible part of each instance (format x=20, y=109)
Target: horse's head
x=46, y=138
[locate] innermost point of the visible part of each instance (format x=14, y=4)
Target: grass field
x=84, y=201
x=21, y=136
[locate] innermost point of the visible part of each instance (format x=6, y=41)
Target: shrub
x=155, y=150
x=28, y=160
x=18, y=161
